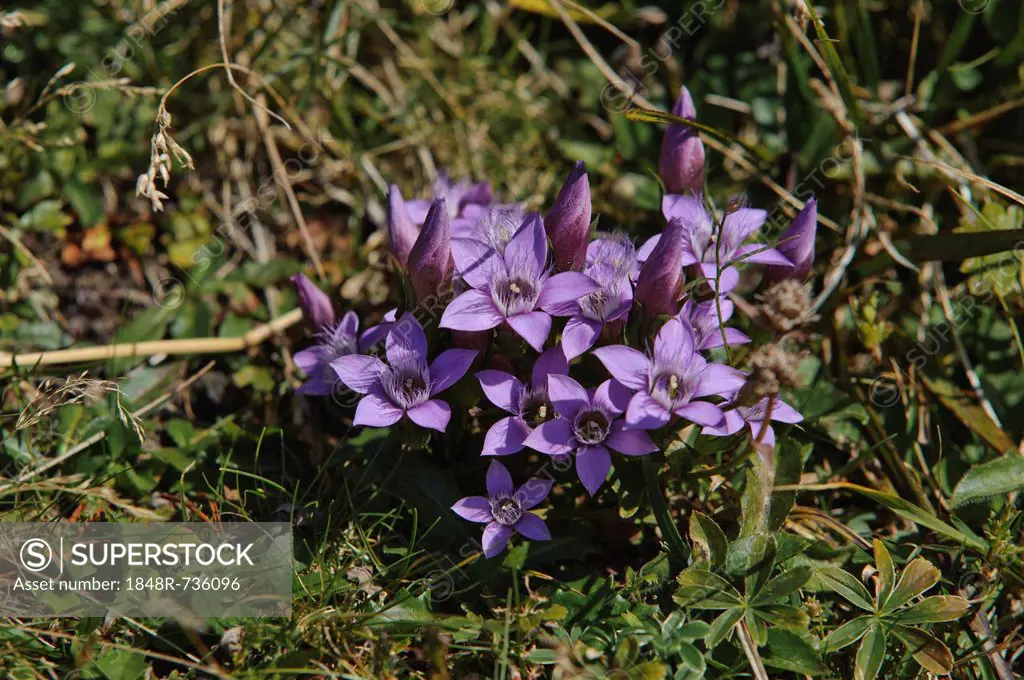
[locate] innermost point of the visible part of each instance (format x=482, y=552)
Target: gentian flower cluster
x=539, y=294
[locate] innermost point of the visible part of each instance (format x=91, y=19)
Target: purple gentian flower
x=707, y=326
x=504, y=509
x=797, y=245
x=514, y=288
x=528, y=404
x=705, y=251
x=660, y=279
x=588, y=424
x=568, y=221
x=681, y=164
x=316, y=306
x=754, y=417
x=406, y=385
x=610, y=302
x=669, y=382
x=430, y=262
x=336, y=340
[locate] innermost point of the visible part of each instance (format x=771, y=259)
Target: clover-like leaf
x=782, y=585
x=709, y=541
x=848, y=633
x=917, y=577
x=927, y=650
x=935, y=609
x=847, y=585
x=886, y=573
x=870, y=654
x=702, y=589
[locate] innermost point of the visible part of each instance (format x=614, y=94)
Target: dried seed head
x=771, y=369
x=787, y=305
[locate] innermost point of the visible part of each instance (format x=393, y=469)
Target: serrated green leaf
x=848, y=633
x=935, y=609
x=847, y=585
x=995, y=478
x=870, y=654
x=917, y=577
x=928, y=651
x=702, y=589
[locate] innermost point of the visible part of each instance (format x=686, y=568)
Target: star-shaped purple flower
x=588, y=424
x=671, y=381
x=513, y=288
x=616, y=251
x=335, y=340
x=504, y=509
x=588, y=315
x=707, y=326
x=754, y=418
x=528, y=404
x=701, y=247
x=406, y=385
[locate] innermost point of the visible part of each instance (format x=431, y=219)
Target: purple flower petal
x=646, y=413
x=797, y=244
x=611, y=397
x=371, y=336
x=567, y=395
x=533, y=327
x=527, y=251
x=376, y=411
x=533, y=492
x=674, y=344
x=506, y=436
x=495, y=539
x=629, y=441
x=532, y=527
x=701, y=412
x=551, y=361
x=502, y=389
x=553, y=437
x=731, y=424
x=579, y=335
x=758, y=253
x=406, y=343
x=402, y=230
x=310, y=359
x=738, y=225
x=592, y=466
x=627, y=365
x=475, y=261
x=316, y=306
x=719, y=379
x=733, y=336
x=684, y=207
x=499, y=481
x=767, y=437
x=658, y=283
x=433, y=414
x=358, y=371
x=474, y=508
x=565, y=287
x=474, y=310
x=784, y=413
x=449, y=367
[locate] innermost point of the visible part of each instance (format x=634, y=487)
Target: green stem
x=677, y=549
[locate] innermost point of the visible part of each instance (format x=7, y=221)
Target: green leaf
x=928, y=651
x=789, y=464
x=994, y=478
x=121, y=665
x=791, y=651
x=935, y=609
x=692, y=657
x=784, y=615
x=969, y=412
x=917, y=577
x=886, y=573
x=709, y=541
x=782, y=585
x=847, y=585
x=722, y=627
x=870, y=654
x=702, y=589
x=848, y=633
